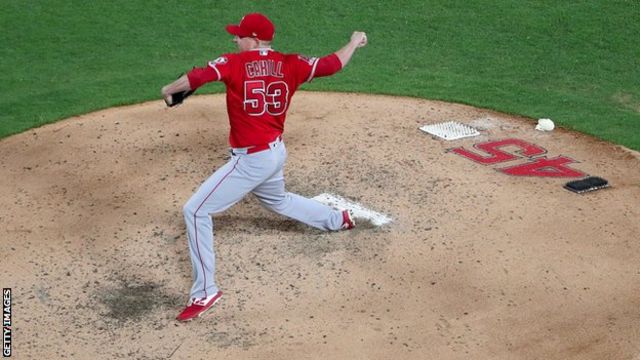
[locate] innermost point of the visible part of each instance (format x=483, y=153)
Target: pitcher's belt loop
x=257, y=148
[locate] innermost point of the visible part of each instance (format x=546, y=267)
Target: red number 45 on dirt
x=542, y=166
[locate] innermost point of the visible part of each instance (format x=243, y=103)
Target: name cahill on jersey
x=264, y=68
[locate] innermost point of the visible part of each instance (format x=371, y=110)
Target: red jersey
x=260, y=84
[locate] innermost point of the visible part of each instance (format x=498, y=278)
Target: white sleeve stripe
x=214, y=68
x=313, y=70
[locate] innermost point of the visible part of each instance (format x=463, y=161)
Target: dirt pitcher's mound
x=487, y=257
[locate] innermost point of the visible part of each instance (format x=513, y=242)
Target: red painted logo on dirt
x=494, y=152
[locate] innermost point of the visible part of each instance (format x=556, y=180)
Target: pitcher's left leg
x=224, y=188
x=209, y=198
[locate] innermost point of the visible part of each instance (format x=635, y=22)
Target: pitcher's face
x=245, y=43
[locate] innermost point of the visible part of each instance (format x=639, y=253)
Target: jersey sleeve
x=304, y=67
x=328, y=65
x=309, y=68
x=215, y=70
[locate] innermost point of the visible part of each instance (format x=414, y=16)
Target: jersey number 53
x=260, y=98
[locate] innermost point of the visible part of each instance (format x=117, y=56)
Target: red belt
x=257, y=148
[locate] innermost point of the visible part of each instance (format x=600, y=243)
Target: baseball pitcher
x=259, y=84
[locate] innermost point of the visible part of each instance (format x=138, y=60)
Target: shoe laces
x=348, y=222
x=199, y=302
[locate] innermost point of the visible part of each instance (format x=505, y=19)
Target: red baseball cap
x=253, y=25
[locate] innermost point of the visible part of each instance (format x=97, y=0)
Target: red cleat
x=347, y=220
x=198, y=307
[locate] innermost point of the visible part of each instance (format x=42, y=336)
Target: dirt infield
x=484, y=259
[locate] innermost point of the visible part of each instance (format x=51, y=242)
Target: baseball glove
x=178, y=98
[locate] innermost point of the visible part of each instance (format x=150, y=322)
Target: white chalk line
x=357, y=209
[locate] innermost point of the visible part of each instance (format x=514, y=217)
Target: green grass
x=575, y=62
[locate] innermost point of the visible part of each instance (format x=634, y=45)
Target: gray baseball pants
x=260, y=173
